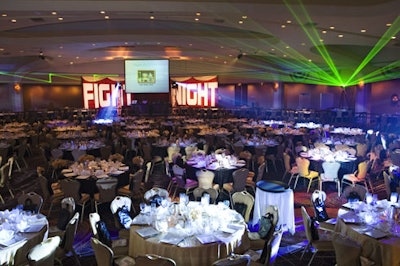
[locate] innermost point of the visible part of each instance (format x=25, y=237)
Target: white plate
x=118, y=172
x=82, y=177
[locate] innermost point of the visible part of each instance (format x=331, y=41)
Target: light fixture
x=41, y=55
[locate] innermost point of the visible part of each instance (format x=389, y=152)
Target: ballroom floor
x=291, y=245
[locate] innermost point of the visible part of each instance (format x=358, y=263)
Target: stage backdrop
x=194, y=91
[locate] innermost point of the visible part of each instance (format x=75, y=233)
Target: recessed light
x=198, y=13
x=151, y=17
x=288, y=21
x=287, y=47
x=332, y=27
x=284, y=55
x=303, y=43
x=60, y=18
x=54, y=13
x=102, y=12
x=340, y=35
x=4, y=15
x=13, y=20
x=393, y=37
x=240, y=22
x=107, y=17
x=244, y=17
x=283, y=26
x=324, y=31
x=388, y=24
x=363, y=30
x=197, y=19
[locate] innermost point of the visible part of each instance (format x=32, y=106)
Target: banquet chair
x=5, y=179
x=239, y=182
x=189, y=150
x=119, y=246
x=77, y=153
x=43, y=254
x=20, y=257
x=107, y=191
x=31, y=201
x=293, y=171
x=171, y=151
x=146, y=151
x=66, y=247
x=233, y=259
x=248, y=157
x=105, y=256
x=347, y=251
x=356, y=192
x=243, y=203
x=71, y=188
x=205, y=179
x=330, y=174
x=65, y=215
x=180, y=181
x=134, y=189
x=303, y=165
x=359, y=176
x=56, y=194
x=199, y=192
x=361, y=149
x=261, y=170
x=314, y=245
x=154, y=192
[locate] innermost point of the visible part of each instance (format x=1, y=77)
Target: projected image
x=147, y=76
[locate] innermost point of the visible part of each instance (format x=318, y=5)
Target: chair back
x=199, y=192
x=189, y=150
x=354, y=192
x=361, y=149
x=136, y=181
x=307, y=224
x=94, y=217
x=107, y=189
x=261, y=171
x=44, y=186
x=303, y=165
x=31, y=201
x=243, y=203
x=331, y=170
x=205, y=178
x=163, y=193
x=239, y=179
x=171, y=151
x=234, y=259
x=70, y=232
x=77, y=153
x=178, y=171
x=362, y=170
x=318, y=198
x=4, y=174
x=56, y=153
x=69, y=205
x=70, y=188
x=387, y=180
x=103, y=254
x=43, y=254
x=119, y=202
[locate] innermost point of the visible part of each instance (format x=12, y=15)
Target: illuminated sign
x=101, y=93
x=195, y=92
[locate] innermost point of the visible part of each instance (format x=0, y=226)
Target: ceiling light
x=340, y=35
x=244, y=17
x=240, y=21
x=288, y=21
x=363, y=30
x=106, y=17
x=102, y=12
x=13, y=20
x=324, y=31
x=54, y=13
x=151, y=17
x=283, y=26
x=4, y=15
x=60, y=19
x=393, y=37
x=388, y=24
x=332, y=27
x=197, y=19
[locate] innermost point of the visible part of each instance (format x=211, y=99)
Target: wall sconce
x=17, y=87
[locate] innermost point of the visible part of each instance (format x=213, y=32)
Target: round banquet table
x=383, y=250
x=275, y=193
x=15, y=250
x=187, y=252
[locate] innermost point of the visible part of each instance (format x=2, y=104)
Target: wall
x=381, y=93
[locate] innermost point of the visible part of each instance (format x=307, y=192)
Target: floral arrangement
x=116, y=157
x=60, y=164
x=86, y=158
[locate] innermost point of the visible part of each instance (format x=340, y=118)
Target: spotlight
x=41, y=56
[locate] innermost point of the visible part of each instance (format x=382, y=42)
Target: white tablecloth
x=283, y=200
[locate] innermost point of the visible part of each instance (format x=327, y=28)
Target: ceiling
x=333, y=42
